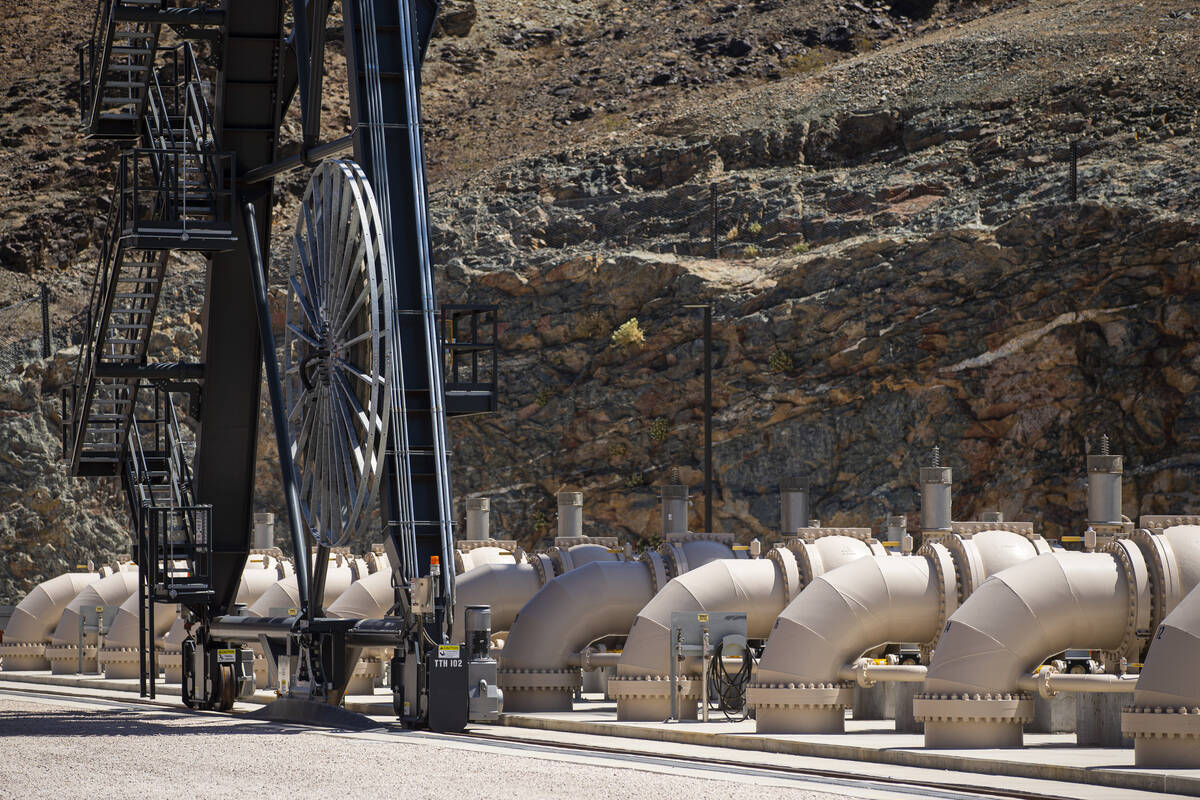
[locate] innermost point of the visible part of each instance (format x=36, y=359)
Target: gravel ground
x=64, y=750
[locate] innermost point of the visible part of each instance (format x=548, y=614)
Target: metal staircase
x=115, y=68
x=174, y=194
x=172, y=532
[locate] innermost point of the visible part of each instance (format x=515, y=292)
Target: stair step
x=140, y=326
x=122, y=341
x=133, y=296
x=130, y=51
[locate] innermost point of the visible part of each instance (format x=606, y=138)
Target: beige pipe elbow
x=63, y=650
x=838, y=617
x=119, y=657
x=367, y=598
x=1005, y=630
x=35, y=618
x=757, y=587
x=1164, y=720
x=504, y=587
x=565, y=616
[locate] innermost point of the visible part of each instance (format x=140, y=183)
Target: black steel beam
x=310, y=156
x=161, y=371
x=170, y=16
x=287, y=468
x=247, y=123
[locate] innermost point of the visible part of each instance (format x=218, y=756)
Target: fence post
x=712, y=202
x=45, y=321
x=1074, y=170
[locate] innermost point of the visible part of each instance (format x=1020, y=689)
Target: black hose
x=727, y=691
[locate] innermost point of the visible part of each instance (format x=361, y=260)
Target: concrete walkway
x=1047, y=757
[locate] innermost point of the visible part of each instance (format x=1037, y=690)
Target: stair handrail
x=102, y=20
x=85, y=365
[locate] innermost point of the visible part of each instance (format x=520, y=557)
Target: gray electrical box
x=719, y=624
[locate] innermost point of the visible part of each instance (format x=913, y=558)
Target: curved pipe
x=118, y=658
x=838, y=617
x=63, y=650
x=758, y=587
x=1164, y=720
x=861, y=605
x=568, y=613
x=35, y=617
x=505, y=587
x=367, y=598
x=1004, y=630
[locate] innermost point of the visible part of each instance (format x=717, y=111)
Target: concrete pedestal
x=1098, y=719
x=878, y=702
x=1053, y=715
x=903, y=708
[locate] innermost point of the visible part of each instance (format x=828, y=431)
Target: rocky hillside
x=875, y=200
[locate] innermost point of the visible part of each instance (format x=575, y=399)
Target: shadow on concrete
x=121, y=723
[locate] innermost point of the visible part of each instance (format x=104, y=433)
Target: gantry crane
x=197, y=90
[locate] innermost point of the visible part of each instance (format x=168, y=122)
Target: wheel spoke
x=338, y=300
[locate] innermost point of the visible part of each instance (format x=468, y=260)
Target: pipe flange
x=658, y=570
x=15, y=648
x=946, y=578
x=812, y=534
x=1161, y=522
x=571, y=541
x=695, y=536
x=808, y=559
x=1165, y=582
x=1011, y=707
x=544, y=568
x=674, y=558
x=467, y=545
x=623, y=687
x=836, y=694
x=1137, y=582
x=1161, y=722
x=969, y=564
x=535, y=679
x=785, y=559
x=561, y=556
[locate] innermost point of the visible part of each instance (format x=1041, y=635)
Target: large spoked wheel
x=336, y=386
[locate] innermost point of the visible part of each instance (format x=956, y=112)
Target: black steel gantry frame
x=257, y=70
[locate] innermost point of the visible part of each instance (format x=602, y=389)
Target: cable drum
x=336, y=370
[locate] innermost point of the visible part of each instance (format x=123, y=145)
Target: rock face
x=1008, y=345
x=887, y=239
x=50, y=522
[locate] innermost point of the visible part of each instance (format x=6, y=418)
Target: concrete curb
x=1113, y=777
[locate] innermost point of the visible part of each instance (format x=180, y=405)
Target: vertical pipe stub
x=937, y=484
x=479, y=511
x=570, y=514
x=264, y=530
x=674, y=506
x=793, y=504
x=1105, y=472
x=992, y=516
x=478, y=623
